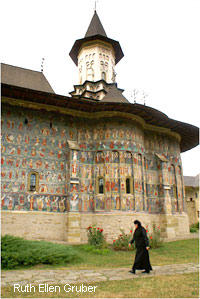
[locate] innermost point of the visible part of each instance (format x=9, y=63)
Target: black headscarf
x=138, y=223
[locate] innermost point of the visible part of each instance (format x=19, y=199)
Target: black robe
x=142, y=255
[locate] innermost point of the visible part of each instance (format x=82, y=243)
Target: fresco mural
x=141, y=171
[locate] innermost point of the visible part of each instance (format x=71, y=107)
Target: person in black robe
x=141, y=240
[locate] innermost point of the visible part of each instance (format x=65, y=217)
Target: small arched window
x=33, y=181
x=128, y=186
x=101, y=185
x=103, y=76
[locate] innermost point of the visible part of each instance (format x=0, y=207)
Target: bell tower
x=96, y=56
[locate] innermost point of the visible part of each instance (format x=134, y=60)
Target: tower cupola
x=96, y=56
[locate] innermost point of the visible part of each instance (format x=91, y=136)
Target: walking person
x=141, y=240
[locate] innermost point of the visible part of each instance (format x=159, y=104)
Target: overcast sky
x=160, y=40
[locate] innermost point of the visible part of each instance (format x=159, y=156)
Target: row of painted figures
x=95, y=134
x=85, y=203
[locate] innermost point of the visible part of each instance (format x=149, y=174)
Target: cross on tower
x=95, y=5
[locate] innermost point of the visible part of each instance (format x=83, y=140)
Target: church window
x=103, y=76
x=128, y=186
x=33, y=181
x=101, y=185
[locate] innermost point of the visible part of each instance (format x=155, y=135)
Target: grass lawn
x=177, y=252
x=175, y=286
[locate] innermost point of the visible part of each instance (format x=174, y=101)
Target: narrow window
x=103, y=76
x=101, y=185
x=33, y=181
x=128, y=189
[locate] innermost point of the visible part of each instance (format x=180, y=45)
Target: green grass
x=46, y=255
x=174, y=286
x=177, y=252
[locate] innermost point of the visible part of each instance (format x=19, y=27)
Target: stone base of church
x=71, y=227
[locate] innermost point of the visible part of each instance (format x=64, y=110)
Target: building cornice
x=149, y=118
x=91, y=115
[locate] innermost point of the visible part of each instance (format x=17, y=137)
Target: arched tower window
x=103, y=76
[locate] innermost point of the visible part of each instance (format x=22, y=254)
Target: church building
x=69, y=162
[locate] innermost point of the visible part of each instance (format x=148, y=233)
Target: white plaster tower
x=96, y=56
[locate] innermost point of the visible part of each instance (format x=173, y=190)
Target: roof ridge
x=22, y=68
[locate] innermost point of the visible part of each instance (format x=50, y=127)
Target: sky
x=159, y=38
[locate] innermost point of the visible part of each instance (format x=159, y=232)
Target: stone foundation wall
x=35, y=225
x=71, y=227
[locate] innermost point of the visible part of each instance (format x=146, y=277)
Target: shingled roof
x=95, y=27
x=114, y=95
x=17, y=76
x=191, y=181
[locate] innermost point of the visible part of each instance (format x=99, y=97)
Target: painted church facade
x=92, y=158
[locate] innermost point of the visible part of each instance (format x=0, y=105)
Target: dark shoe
x=146, y=271
x=132, y=271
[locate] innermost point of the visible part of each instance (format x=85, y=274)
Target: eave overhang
x=79, y=42
x=152, y=117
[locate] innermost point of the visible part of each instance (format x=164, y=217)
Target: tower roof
x=96, y=32
x=114, y=95
x=95, y=27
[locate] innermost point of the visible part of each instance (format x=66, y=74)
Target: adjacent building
x=192, y=197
